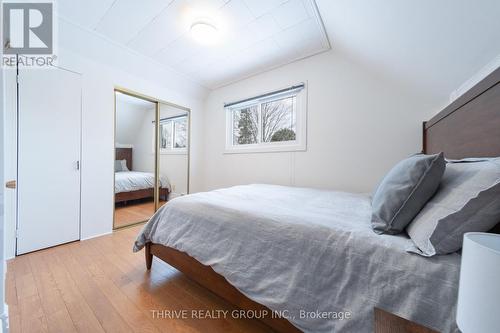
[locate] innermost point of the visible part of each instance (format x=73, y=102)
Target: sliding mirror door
x=173, y=151
x=135, y=159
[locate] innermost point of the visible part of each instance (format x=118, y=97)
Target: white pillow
x=124, y=165
x=467, y=201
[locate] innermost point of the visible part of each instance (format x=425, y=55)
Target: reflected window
x=173, y=134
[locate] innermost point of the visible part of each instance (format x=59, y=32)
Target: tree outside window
x=271, y=121
x=173, y=134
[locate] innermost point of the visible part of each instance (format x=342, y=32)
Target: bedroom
x=352, y=83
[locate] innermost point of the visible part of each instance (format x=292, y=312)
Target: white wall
x=359, y=125
x=143, y=155
x=134, y=128
x=128, y=120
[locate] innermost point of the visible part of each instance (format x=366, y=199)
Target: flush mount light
x=204, y=32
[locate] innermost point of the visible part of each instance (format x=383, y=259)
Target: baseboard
x=99, y=235
x=174, y=195
x=4, y=317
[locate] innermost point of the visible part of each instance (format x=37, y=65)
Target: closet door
x=48, y=158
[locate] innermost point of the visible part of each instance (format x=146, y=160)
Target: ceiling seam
x=104, y=15
x=132, y=51
x=149, y=22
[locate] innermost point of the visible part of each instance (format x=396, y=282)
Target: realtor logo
x=28, y=28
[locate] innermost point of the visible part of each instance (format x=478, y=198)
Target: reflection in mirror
x=134, y=160
x=174, y=142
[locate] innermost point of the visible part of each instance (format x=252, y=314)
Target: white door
x=48, y=178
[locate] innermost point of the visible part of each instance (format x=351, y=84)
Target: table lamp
x=478, y=309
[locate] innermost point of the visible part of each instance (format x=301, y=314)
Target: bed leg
x=149, y=256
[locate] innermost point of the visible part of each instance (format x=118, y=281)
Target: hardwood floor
x=134, y=212
x=99, y=285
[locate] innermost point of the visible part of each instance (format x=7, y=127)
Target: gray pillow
x=468, y=200
x=404, y=191
x=118, y=166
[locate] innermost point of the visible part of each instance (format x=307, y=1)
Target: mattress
x=127, y=181
x=309, y=253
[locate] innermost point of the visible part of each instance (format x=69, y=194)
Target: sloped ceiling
x=130, y=114
x=254, y=35
x=432, y=46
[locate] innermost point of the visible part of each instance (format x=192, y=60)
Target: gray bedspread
x=127, y=181
x=308, y=252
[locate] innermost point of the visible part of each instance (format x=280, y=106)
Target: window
x=173, y=135
x=180, y=131
x=271, y=122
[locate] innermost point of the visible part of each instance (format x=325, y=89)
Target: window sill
x=173, y=152
x=264, y=149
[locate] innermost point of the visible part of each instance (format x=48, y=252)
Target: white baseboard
x=99, y=235
x=174, y=195
x=4, y=317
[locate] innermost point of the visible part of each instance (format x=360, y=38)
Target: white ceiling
x=256, y=35
x=429, y=46
x=134, y=102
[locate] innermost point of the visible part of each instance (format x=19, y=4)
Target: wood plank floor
x=134, y=212
x=99, y=285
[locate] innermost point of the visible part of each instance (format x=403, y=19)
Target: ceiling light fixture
x=204, y=32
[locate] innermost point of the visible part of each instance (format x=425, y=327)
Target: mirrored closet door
x=134, y=159
x=151, y=163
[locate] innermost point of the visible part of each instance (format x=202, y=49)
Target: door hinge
x=77, y=165
x=17, y=233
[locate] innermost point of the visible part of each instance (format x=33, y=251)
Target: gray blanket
x=308, y=254
x=127, y=181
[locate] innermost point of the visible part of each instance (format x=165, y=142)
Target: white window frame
x=173, y=150
x=300, y=142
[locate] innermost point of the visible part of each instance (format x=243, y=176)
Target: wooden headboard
x=124, y=154
x=470, y=126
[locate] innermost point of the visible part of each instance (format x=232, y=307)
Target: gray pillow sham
x=404, y=191
x=118, y=166
x=468, y=200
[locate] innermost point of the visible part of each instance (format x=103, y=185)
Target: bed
x=135, y=185
x=256, y=261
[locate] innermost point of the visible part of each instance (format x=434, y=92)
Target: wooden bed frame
x=126, y=154
x=468, y=127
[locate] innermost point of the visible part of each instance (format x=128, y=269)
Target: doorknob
x=10, y=184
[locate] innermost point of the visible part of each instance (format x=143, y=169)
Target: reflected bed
x=135, y=185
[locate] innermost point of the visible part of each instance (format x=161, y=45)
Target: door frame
x=157, y=102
